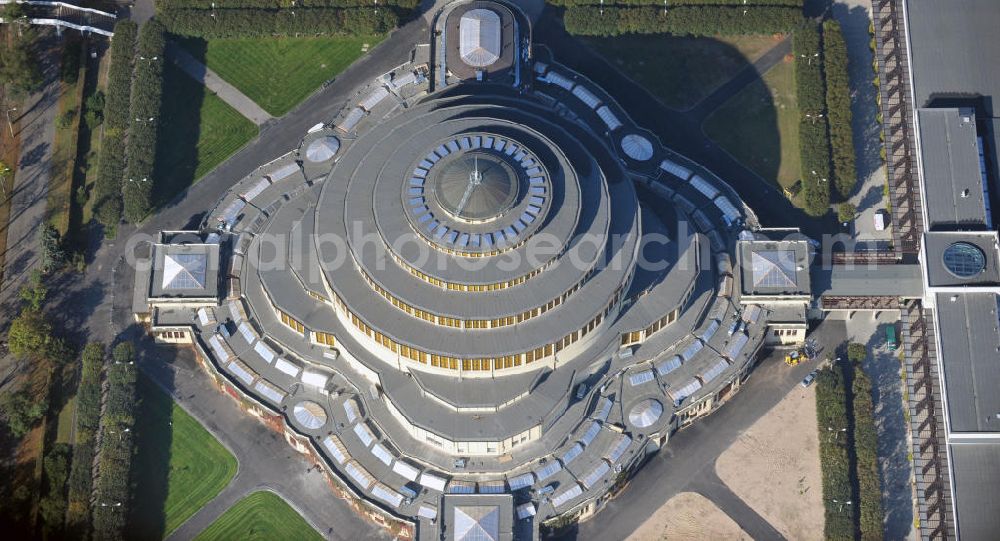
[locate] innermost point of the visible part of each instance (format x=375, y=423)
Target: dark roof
x=937, y=243
x=976, y=475
x=863, y=280
x=969, y=350
x=949, y=157
x=953, y=51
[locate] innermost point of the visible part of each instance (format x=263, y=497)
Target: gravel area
x=688, y=516
x=774, y=467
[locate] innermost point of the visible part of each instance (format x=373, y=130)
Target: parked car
x=880, y=220
x=808, y=380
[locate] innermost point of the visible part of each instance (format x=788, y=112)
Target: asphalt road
x=266, y=461
x=681, y=131
x=96, y=307
x=687, y=463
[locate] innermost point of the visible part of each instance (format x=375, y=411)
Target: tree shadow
x=177, y=135
x=153, y=439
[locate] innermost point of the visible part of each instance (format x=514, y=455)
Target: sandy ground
x=688, y=516
x=774, y=467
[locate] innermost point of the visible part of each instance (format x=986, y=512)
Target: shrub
x=831, y=418
x=846, y=212
x=856, y=353
x=838, y=106
x=239, y=23
x=111, y=162
x=115, y=458
x=814, y=143
x=682, y=20
x=88, y=413
x=866, y=453
x=144, y=110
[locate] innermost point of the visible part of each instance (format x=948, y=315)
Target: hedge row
x=611, y=3
x=838, y=106
x=164, y=5
x=111, y=163
x=88, y=418
x=814, y=141
x=684, y=20
x=237, y=23
x=111, y=505
x=144, y=110
x=866, y=456
x=831, y=419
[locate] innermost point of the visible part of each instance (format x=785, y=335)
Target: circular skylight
x=309, y=414
x=645, y=413
x=964, y=260
x=322, y=149
x=637, y=147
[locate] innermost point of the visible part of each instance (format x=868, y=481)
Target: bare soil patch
x=688, y=516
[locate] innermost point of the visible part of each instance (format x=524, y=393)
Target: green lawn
x=178, y=468
x=278, y=73
x=198, y=131
x=65, y=420
x=681, y=71
x=260, y=516
x=760, y=126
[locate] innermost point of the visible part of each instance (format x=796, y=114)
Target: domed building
x=481, y=294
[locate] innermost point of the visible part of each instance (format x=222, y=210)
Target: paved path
x=680, y=132
x=266, y=461
x=747, y=75
x=716, y=490
x=97, y=307
x=36, y=122
x=854, y=17
x=687, y=463
x=884, y=369
x=229, y=93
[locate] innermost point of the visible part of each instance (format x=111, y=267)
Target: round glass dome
x=309, y=414
x=476, y=186
x=322, y=149
x=964, y=260
x=645, y=413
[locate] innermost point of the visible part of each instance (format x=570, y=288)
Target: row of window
x=475, y=288
x=291, y=322
x=324, y=339
x=453, y=363
x=474, y=323
x=635, y=337
x=444, y=361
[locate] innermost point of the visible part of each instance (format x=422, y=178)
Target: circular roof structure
x=637, y=147
x=964, y=259
x=475, y=186
x=645, y=413
x=322, y=149
x=309, y=414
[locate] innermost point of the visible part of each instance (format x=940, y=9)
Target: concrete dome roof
x=476, y=186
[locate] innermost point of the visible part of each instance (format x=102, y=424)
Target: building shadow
x=883, y=367
x=153, y=439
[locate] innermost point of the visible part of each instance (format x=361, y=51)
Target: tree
x=29, y=334
x=18, y=66
x=846, y=213
x=53, y=255
x=35, y=292
x=856, y=352
x=22, y=410
x=124, y=353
